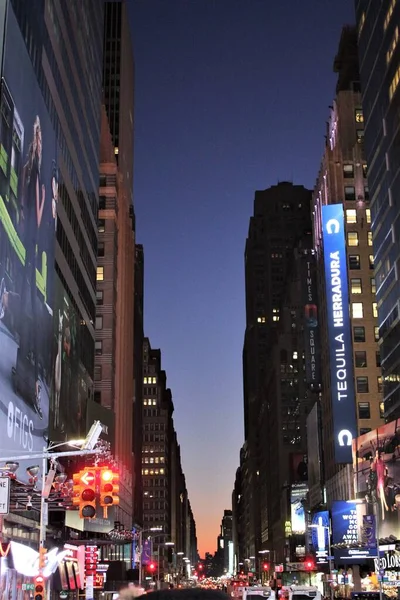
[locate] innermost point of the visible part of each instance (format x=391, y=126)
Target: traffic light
x=109, y=488
x=39, y=588
x=309, y=565
x=42, y=558
x=266, y=567
x=87, y=493
x=152, y=567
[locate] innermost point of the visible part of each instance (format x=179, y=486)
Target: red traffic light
x=309, y=564
x=152, y=566
x=266, y=567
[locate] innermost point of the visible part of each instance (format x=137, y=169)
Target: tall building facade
x=138, y=338
x=281, y=215
x=343, y=180
x=379, y=53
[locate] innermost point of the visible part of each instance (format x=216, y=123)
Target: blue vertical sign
x=339, y=333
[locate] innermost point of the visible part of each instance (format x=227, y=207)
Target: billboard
x=298, y=495
x=339, y=332
x=346, y=529
x=320, y=530
x=377, y=476
x=311, y=331
x=28, y=204
x=314, y=456
x=71, y=384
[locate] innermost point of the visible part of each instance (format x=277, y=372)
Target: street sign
x=28, y=586
x=4, y=495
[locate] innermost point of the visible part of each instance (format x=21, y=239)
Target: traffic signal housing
x=87, y=493
x=265, y=566
x=309, y=564
x=109, y=488
x=39, y=588
x=42, y=558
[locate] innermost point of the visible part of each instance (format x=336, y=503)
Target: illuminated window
x=154, y=402
x=116, y=151
x=359, y=334
x=100, y=274
x=349, y=193
x=389, y=14
x=295, y=355
x=145, y=401
x=348, y=171
x=369, y=238
x=381, y=404
x=356, y=286
x=365, y=170
x=275, y=318
x=360, y=359
x=376, y=334
x=373, y=285
x=364, y=411
x=351, y=215
x=154, y=380
x=354, y=262
x=359, y=115
x=371, y=261
x=392, y=46
x=375, y=310
x=352, y=238
x=145, y=380
x=368, y=215
x=362, y=385
x=260, y=319
x=161, y=471
x=357, y=310
x=394, y=83
x=101, y=225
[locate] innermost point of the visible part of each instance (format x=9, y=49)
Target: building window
x=360, y=136
x=359, y=334
x=99, y=322
x=100, y=274
x=260, y=319
x=357, y=311
x=354, y=262
x=348, y=171
x=360, y=359
x=99, y=297
x=100, y=249
x=97, y=373
x=349, y=192
x=366, y=192
x=378, y=358
x=364, y=430
x=359, y=115
x=371, y=261
x=368, y=215
x=376, y=333
x=101, y=225
x=351, y=215
x=352, y=238
x=375, y=310
x=362, y=385
x=394, y=83
x=389, y=14
x=98, y=346
x=373, y=285
x=356, y=286
x=97, y=397
x=369, y=238
x=381, y=405
x=365, y=170
x=364, y=411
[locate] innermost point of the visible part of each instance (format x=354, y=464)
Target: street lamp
x=328, y=529
x=141, y=532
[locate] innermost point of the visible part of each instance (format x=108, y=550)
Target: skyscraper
x=281, y=216
x=379, y=52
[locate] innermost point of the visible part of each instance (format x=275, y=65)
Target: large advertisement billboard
x=71, y=384
x=320, y=532
x=339, y=332
x=28, y=201
x=377, y=476
x=298, y=495
x=347, y=526
x=311, y=330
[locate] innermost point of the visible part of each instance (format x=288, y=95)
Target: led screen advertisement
x=320, y=530
x=339, y=332
x=28, y=201
x=377, y=476
x=298, y=495
x=311, y=331
x=347, y=525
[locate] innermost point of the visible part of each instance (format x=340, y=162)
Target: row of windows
x=364, y=410
x=353, y=240
x=152, y=449
x=359, y=334
x=155, y=482
x=350, y=193
x=153, y=460
x=357, y=310
x=153, y=437
x=154, y=427
x=153, y=471
x=356, y=286
x=355, y=262
x=149, y=402
x=351, y=215
x=155, y=506
x=154, y=493
x=362, y=385
x=151, y=412
x=149, y=380
x=348, y=170
x=150, y=391
x=360, y=359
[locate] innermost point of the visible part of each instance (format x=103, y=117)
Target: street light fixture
x=12, y=466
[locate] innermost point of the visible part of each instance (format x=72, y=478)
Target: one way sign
x=4, y=495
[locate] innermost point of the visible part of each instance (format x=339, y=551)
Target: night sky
x=231, y=96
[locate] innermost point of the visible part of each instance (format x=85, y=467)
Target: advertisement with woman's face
x=376, y=459
x=28, y=172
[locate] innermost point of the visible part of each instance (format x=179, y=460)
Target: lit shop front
x=387, y=570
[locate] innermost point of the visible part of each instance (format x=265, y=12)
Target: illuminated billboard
x=28, y=204
x=298, y=495
x=71, y=384
x=320, y=531
x=311, y=321
x=377, y=476
x=347, y=527
x=339, y=332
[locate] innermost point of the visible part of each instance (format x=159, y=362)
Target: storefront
x=386, y=572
